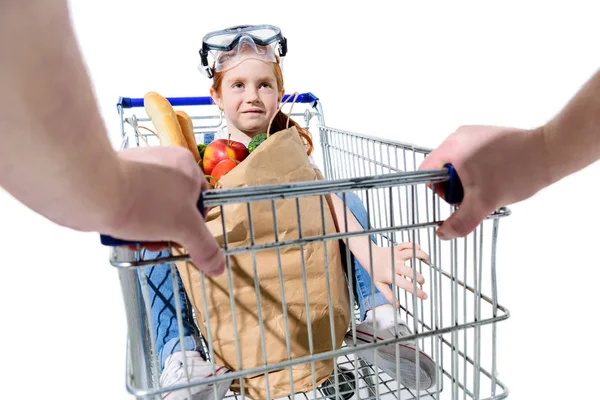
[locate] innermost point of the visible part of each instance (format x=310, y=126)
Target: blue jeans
x=362, y=279
x=162, y=298
x=164, y=317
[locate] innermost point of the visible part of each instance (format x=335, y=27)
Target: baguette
x=187, y=128
x=164, y=120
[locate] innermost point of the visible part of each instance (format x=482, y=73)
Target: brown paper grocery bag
x=280, y=159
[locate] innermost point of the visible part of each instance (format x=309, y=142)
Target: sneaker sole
x=346, y=388
x=386, y=360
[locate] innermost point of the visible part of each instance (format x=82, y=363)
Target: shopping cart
x=456, y=325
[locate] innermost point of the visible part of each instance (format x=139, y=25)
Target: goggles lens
x=229, y=47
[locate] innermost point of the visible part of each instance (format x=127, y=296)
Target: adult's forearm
x=572, y=138
x=55, y=156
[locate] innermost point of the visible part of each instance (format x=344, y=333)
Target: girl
x=248, y=87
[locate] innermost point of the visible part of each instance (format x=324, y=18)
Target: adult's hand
x=496, y=165
x=163, y=187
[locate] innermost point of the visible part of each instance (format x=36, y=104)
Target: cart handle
x=453, y=194
x=131, y=102
x=453, y=188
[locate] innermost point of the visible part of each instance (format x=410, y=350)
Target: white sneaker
x=386, y=355
x=174, y=374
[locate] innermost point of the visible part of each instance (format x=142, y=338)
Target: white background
x=413, y=73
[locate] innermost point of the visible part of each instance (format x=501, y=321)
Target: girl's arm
x=366, y=251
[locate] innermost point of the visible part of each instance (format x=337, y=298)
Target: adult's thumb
x=434, y=161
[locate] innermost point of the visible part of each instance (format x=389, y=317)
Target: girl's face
x=249, y=97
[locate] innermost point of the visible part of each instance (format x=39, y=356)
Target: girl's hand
x=404, y=274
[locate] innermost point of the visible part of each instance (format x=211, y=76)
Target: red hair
x=281, y=120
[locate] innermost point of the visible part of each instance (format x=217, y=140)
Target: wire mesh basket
x=447, y=348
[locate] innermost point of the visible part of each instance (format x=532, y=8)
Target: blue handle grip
x=453, y=189
x=107, y=240
x=130, y=102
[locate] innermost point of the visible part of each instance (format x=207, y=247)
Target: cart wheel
x=346, y=381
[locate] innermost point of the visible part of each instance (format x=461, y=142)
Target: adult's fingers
x=465, y=219
x=202, y=246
